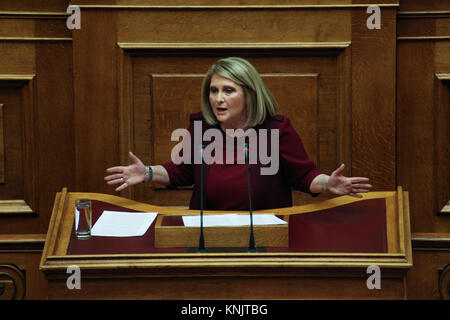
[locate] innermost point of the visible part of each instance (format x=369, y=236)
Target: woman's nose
x=220, y=97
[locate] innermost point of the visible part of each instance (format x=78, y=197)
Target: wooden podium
x=171, y=233
x=332, y=244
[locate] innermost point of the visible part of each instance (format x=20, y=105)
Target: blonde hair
x=259, y=101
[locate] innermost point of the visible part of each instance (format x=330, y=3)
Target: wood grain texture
x=424, y=27
x=415, y=131
x=441, y=144
x=35, y=79
x=242, y=4
x=22, y=242
x=20, y=148
x=23, y=251
x=415, y=5
x=248, y=26
x=19, y=27
x=373, y=93
x=55, y=123
x=33, y=6
x=2, y=147
x=172, y=236
x=13, y=124
x=422, y=137
x=422, y=118
x=267, y=286
x=431, y=254
x=95, y=100
x=12, y=280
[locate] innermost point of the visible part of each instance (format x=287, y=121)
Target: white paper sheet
x=123, y=224
x=232, y=220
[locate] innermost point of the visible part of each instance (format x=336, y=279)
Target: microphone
x=201, y=241
x=251, y=246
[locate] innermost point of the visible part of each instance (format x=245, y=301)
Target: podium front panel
x=354, y=227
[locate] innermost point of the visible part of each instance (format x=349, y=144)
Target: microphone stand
x=251, y=246
x=201, y=242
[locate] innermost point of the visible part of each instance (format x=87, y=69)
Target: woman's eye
x=213, y=90
x=229, y=90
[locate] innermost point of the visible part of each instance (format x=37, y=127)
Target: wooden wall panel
x=173, y=99
x=241, y=25
x=12, y=130
x=423, y=6
x=20, y=182
x=2, y=146
x=298, y=97
x=373, y=99
x=423, y=122
x=414, y=153
x=422, y=114
x=55, y=114
x=95, y=99
x=441, y=174
x=35, y=6
x=36, y=92
x=37, y=160
x=20, y=277
x=429, y=277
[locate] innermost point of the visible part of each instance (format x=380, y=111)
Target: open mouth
x=221, y=110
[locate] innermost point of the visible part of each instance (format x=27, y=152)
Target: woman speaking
x=235, y=97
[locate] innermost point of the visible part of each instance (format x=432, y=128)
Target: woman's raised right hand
x=127, y=175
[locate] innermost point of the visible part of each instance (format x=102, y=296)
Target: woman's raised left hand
x=338, y=184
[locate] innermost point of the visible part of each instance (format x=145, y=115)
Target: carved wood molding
x=14, y=243
x=444, y=282
x=441, y=143
x=430, y=241
x=18, y=39
x=236, y=7
x=2, y=147
x=33, y=15
x=422, y=14
x=12, y=282
x=27, y=84
x=446, y=208
x=14, y=206
x=225, y=45
x=424, y=38
x=422, y=25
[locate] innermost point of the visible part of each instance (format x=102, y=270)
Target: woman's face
x=227, y=100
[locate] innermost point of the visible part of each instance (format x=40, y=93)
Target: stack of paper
x=231, y=220
x=123, y=224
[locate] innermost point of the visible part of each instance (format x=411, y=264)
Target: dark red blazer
x=225, y=185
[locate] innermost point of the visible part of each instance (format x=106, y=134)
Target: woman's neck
x=233, y=131
x=236, y=126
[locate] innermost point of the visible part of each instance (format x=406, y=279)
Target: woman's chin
x=221, y=117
